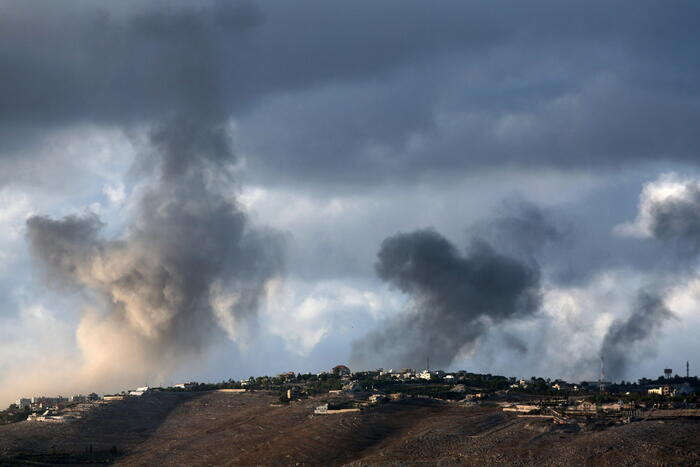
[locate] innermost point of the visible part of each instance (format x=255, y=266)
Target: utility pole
x=687, y=369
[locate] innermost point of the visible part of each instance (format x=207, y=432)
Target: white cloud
x=304, y=314
x=114, y=192
x=668, y=187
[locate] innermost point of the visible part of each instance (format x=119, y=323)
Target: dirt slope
x=217, y=428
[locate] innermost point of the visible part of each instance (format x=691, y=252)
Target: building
x=425, y=375
x=561, y=386
x=115, y=397
x=521, y=408
x=288, y=376
x=341, y=370
x=189, y=385
x=583, y=407
x=23, y=402
x=611, y=407
x=139, y=391
x=661, y=390
x=352, y=386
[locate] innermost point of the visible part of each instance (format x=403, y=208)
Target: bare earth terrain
x=216, y=428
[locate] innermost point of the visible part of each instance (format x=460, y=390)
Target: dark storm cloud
x=473, y=84
x=626, y=340
x=189, y=259
x=455, y=298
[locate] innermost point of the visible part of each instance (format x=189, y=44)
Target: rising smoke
x=188, y=263
x=626, y=338
x=454, y=299
x=521, y=229
x=669, y=211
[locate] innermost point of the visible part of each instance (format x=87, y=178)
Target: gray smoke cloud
x=188, y=262
x=454, y=298
x=678, y=219
x=521, y=229
x=669, y=211
x=625, y=339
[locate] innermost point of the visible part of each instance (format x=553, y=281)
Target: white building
x=23, y=402
x=425, y=375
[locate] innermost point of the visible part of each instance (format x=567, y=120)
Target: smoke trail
x=189, y=261
x=455, y=298
x=621, y=342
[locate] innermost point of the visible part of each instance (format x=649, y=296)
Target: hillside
x=225, y=428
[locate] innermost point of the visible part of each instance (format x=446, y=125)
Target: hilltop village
x=374, y=417
x=344, y=391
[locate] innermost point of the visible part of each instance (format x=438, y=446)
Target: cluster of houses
x=409, y=374
x=60, y=409
x=672, y=389
x=46, y=403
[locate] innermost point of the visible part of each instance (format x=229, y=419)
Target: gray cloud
x=370, y=91
x=627, y=339
x=455, y=298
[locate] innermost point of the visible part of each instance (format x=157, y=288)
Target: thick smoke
x=455, y=298
x=678, y=220
x=626, y=338
x=189, y=260
x=669, y=210
x=521, y=230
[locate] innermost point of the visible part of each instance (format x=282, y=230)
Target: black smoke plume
x=189, y=261
x=454, y=298
x=626, y=338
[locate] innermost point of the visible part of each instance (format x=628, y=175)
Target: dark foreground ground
x=222, y=428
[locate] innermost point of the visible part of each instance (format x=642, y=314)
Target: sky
x=219, y=189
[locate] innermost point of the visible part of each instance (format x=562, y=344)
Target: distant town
x=353, y=391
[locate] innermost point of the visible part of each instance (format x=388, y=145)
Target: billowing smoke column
x=669, y=211
x=624, y=337
x=188, y=262
x=455, y=298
